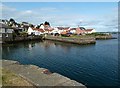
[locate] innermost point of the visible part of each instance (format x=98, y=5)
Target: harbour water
x=92, y=65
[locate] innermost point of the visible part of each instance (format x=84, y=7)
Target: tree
x=31, y=25
x=38, y=27
x=12, y=20
x=47, y=23
x=41, y=24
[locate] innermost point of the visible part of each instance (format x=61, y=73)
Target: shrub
x=25, y=34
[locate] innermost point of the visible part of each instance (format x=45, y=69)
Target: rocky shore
x=100, y=37
x=38, y=76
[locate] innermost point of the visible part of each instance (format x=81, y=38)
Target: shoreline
x=36, y=76
x=22, y=39
x=81, y=40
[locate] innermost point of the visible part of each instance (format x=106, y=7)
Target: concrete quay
x=36, y=76
x=80, y=41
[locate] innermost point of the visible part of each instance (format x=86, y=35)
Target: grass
x=86, y=36
x=98, y=34
x=0, y=76
x=79, y=36
x=11, y=79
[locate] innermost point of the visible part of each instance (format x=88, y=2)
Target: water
x=92, y=65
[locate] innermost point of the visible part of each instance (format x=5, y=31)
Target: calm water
x=92, y=65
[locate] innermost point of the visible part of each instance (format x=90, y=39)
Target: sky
x=102, y=16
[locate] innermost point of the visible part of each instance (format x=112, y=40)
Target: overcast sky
x=103, y=16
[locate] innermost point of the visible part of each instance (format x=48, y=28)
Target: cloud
x=48, y=9
x=28, y=12
x=3, y=7
x=57, y=17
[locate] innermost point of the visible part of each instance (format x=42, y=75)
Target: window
x=2, y=30
x=6, y=35
x=9, y=30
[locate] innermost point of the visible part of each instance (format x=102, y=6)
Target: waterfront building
x=35, y=31
x=6, y=33
x=79, y=31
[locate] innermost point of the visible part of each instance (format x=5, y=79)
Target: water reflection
x=82, y=63
x=56, y=45
x=31, y=45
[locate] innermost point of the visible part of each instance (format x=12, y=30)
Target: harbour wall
x=83, y=40
x=37, y=76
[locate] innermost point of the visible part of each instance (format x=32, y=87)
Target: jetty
x=37, y=76
x=82, y=40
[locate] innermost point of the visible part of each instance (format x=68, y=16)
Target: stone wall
x=22, y=38
x=84, y=40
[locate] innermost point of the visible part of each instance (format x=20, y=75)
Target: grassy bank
x=11, y=79
x=100, y=36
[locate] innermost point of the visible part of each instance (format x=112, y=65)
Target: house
x=72, y=30
x=46, y=27
x=38, y=31
x=30, y=31
x=79, y=31
x=35, y=31
x=6, y=33
x=55, y=31
x=63, y=29
x=89, y=31
x=42, y=26
x=25, y=26
x=4, y=21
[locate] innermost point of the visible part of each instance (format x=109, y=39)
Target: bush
x=97, y=34
x=14, y=34
x=65, y=35
x=25, y=34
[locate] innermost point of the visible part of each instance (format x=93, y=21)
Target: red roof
x=79, y=31
x=40, y=30
x=49, y=29
x=72, y=28
x=88, y=30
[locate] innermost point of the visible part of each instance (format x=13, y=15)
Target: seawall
x=37, y=76
x=81, y=40
x=22, y=38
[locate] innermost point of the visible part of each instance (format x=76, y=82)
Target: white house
x=42, y=27
x=89, y=31
x=35, y=31
x=30, y=31
x=55, y=30
x=72, y=30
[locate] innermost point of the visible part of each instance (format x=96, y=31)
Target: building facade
x=6, y=33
